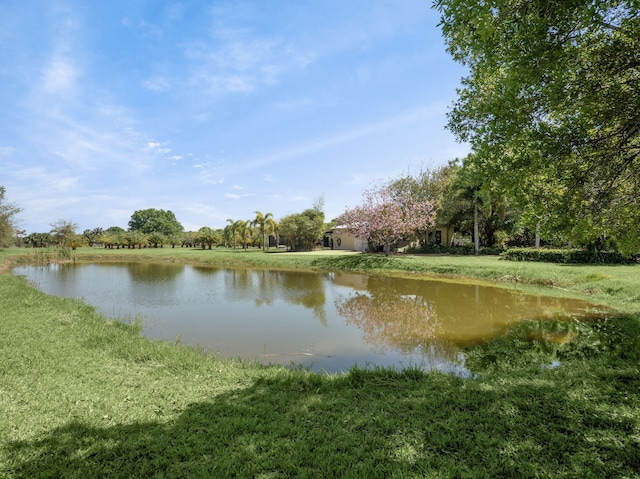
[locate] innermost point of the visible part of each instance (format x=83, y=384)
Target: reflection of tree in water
x=239, y=284
x=152, y=273
x=306, y=289
x=439, y=317
x=407, y=323
x=264, y=287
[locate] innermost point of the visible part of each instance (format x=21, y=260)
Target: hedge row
x=575, y=256
x=466, y=249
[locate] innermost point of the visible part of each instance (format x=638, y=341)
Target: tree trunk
x=476, y=235
x=538, y=235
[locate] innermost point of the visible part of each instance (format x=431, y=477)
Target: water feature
x=324, y=321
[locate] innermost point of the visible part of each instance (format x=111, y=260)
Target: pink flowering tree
x=385, y=217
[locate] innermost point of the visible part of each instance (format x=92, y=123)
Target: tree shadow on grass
x=365, y=424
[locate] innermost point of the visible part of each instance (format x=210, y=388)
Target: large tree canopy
x=551, y=107
x=303, y=230
x=155, y=221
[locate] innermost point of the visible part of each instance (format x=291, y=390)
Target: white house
x=341, y=239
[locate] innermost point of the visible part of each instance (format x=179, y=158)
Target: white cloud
x=413, y=116
x=201, y=117
x=208, y=177
x=158, y=148
x=59, y=76
x=174, y=11
x=47, y=182
x=236, y=196
x=293, y=104
x=234, y=61
x=157, y=84
x=7, y=151
x=220, y=84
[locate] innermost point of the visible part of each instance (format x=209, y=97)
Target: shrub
x=573, y=256
x=466, y=249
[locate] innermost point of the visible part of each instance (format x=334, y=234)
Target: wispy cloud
x=237, y=61
x=157, y=83
x=209, y=174
x=7, y=151
x=48, y=183
x=237, y=196
x=158, y=148
x=59, y=76
x=357, y=132
x=174, y=11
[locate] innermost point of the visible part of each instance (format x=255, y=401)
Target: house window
x=438, y=237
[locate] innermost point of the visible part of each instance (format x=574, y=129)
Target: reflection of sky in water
x=326, y=321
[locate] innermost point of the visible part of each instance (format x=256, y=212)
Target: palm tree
x=262, y=222
x=232, y=227
x=245, y=231
x=271, y=227
x=206, y=236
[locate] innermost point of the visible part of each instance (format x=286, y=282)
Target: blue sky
x=216, y=109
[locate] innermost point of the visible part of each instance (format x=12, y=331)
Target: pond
x=323, y=321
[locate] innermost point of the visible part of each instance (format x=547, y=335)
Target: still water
x=323, y=321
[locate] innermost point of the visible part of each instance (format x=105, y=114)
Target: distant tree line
x=157, y=228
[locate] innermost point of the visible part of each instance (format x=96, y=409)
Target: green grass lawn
x=86, y=396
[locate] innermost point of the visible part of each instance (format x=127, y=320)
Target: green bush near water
x=573, y=256
x=85, y=396
x=466, y=249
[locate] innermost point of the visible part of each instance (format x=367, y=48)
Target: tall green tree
x=8, y=217
x=92, y=236
x=113, y=236
x=156, y=238
x=264, y=222
x=38, y=240
x=551, y=107
x=246, y=231
x=232, y=230
x=135, y=238
x=207, y=237
x=63, y=233
x=303, y=230
x=230, y=233
x=155, y=221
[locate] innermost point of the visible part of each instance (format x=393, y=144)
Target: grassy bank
x=83, y=396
